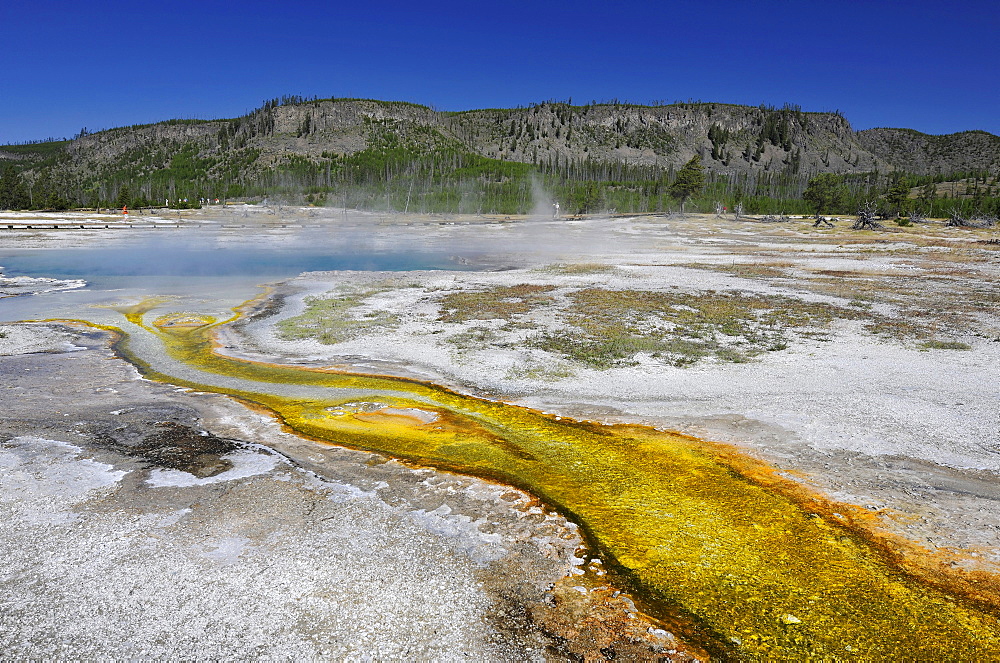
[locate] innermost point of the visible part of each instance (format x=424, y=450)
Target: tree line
x=400, y=173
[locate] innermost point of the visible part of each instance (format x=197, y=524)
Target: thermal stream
x=713, y=544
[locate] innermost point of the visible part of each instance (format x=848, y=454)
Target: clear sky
x=930, y=66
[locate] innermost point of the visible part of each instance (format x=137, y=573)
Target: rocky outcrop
x=729, y=138
x=917, y=152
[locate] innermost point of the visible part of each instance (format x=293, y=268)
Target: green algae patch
x=723, y=558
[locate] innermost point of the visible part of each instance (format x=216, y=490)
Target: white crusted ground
x=94, y=570
x=875, y=422
x=23, y=339
x=853, y=392
x=333, y=555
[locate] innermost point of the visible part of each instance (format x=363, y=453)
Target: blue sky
x=930, y=66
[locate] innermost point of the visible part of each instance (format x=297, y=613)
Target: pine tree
x=124, y=197
x=12, y=193
x=896, y=196
x=824, y=192
x=928, y=194
x=690, y=180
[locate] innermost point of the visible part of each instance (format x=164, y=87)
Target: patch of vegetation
x=473, y=338
x=579, y=268
x=758, y=272
x=542, y=373
x=498, y=303
x=610, y=328
x=610, y=347
x=918, y=325
x=39, y=151
x=944, y=345
x=334, y=319
x=748, y=270
x=947, y=303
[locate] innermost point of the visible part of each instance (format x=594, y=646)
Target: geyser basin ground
x=731, y=562
x=284, y=549
x=851, y=407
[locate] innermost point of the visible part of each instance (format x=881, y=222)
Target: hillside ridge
x=728, y=136
x=320, y=144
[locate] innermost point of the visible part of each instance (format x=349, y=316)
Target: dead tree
x=823, y=221
x=738, y=210
x=958, y=220
x=866, y=218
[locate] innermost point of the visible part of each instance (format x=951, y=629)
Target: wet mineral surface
x=740, y=560
x=899, y=429
x=139, y=520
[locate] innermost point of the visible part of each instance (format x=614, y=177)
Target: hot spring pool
x=219, y=275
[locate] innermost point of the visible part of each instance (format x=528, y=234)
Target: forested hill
x=915, y=152
x=365, y=148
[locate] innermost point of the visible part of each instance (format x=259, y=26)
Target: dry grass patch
x=768, y=270
x=476, y=338
x=333, y=318
x=838, y=272
x=498, y=303
x=579, y=268
x=944, y=345
x=759, y=270
x=607, y=328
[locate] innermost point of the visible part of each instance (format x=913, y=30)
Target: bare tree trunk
x=866, y=218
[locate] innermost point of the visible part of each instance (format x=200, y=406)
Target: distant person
x=555, y=210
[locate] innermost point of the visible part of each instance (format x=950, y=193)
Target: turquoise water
x=228, y=264
x=194, y=278
x=94, y=264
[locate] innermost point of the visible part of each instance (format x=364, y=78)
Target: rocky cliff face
x=729, y=138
